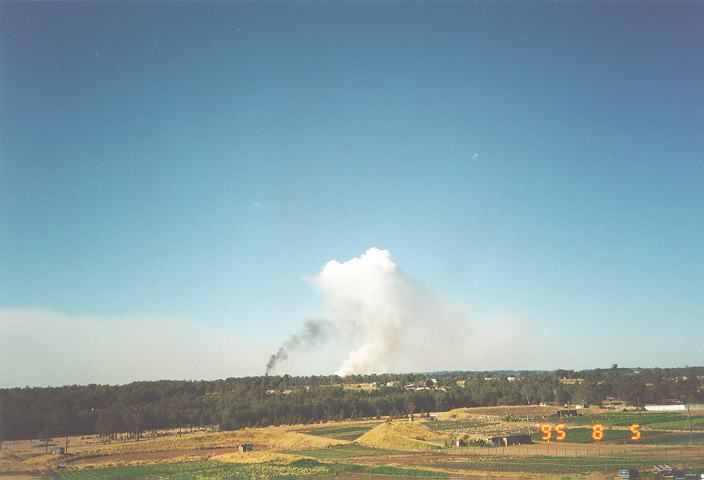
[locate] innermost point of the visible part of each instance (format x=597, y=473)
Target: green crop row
x=221, y=471
x=664, y=421
x=557, y=465
x=341, y=432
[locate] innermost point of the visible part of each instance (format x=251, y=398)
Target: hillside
x=403, y=435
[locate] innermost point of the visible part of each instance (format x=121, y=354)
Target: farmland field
x=214, y=470
x=346, y=451
x=555, y=464
x=454, y=426
x=659, y=421
x=363, y=448
x=672, y=438
x=341, y=433
x=584, y=435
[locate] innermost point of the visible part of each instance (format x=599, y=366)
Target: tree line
x=275, y=400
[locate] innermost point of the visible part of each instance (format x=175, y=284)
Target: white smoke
x=383, y=320
x=367, y=301
x=380, y=311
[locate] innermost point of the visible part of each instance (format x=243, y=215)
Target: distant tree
x=109, y=423
x=409, y=405
x=242, y=402
x=562, y=395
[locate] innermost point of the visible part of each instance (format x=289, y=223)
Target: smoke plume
x=380, y=319
x=314, y=331
x=372, y=303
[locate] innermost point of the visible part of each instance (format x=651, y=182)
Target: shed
x=58, y=450
x=508, y=440
x=245, y=447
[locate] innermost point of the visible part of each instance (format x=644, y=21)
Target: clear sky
x=195, y=162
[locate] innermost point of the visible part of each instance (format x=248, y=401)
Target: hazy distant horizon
x=429, y=373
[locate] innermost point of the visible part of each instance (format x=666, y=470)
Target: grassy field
x=346, y=451
x=341, y=433
x=219, y=471
x=403, y=435
x=669, y=438
x=584, y=435
x=458, y=426
x=372, y=447
x=657, y=421
x=558, y=465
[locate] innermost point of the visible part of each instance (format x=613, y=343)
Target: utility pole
x=689, y=420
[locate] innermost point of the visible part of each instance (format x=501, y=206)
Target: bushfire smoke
x=371, y=302
x=382, y=318
x=314, y=331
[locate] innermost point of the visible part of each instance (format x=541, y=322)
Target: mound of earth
x=301, y=441
x=403, y=436
x=255, y=457
x=502, y=411
x=267, y=438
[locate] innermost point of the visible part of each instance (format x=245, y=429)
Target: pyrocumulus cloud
x=381, y=320
x=371, y=302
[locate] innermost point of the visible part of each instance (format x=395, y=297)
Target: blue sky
x=197, y=161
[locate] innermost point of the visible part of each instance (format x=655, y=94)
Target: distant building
x=360, y=386
x=58, y=450
x=568, y=412
x=628, y=473
x=613, y=404
x=508, y=440
x=460, y=443
x=571, y=381
x=673, y=408
x=245, y=447
x=665, y=408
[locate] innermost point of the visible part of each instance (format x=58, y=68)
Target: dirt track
x=151, y=456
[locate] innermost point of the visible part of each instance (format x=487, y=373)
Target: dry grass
x=118, y=462
x=403, y=435
x=519, y=410
x=255, y=457
x=270, y=438
x=28, y=456
x=41, y=459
